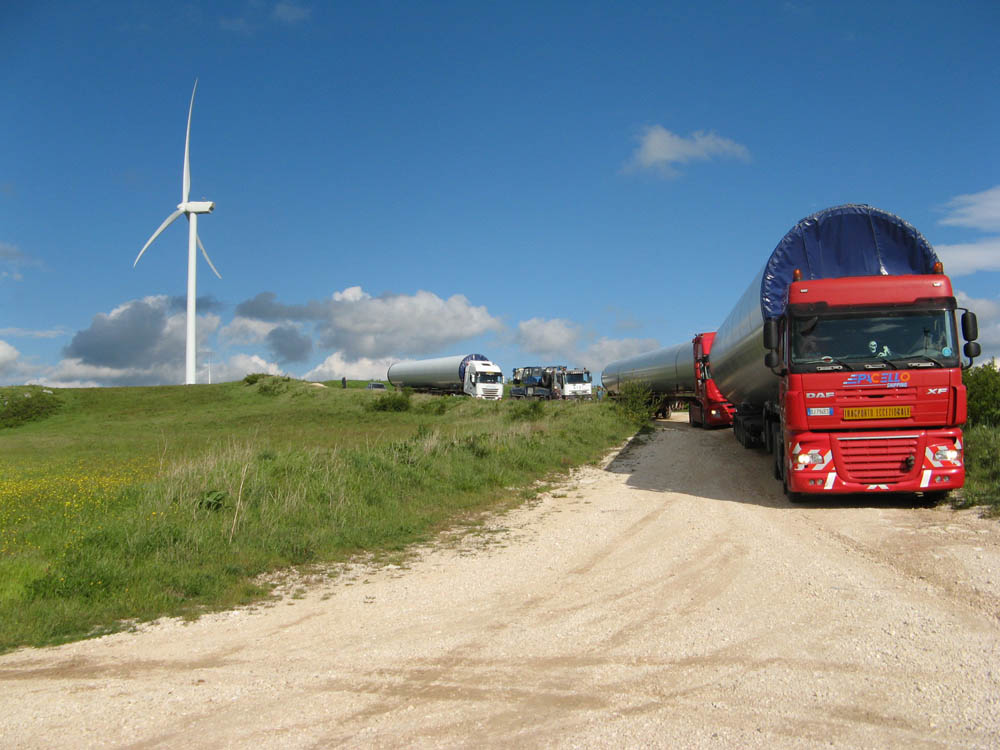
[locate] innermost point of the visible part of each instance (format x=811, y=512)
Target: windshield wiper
x=877, y=364
x=937, y=362
x=841, y=364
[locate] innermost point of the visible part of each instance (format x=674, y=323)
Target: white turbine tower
x=191, y=209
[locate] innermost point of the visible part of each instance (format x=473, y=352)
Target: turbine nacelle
x=196, y=207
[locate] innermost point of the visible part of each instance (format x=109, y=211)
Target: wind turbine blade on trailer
x=187, y=151
x=203, y=252
x=156, y=234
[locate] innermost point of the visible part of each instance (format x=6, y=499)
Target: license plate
x=876, y=412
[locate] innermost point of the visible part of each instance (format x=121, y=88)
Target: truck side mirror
x=970, y=326
x=972, y=350
x=771, y=334
x=771, y=360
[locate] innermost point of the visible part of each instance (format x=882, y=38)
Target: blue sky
x=541, y=182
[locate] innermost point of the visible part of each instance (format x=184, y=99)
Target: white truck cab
x=483, y=379
x=577, y=384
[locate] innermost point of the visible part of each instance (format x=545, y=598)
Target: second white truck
x=472, y=374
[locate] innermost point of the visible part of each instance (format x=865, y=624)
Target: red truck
x=843, y=361
x=676, y=374
x=708, y=408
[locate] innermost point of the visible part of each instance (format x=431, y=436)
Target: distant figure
x=343, y=382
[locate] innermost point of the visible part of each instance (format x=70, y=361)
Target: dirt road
x=671, y=599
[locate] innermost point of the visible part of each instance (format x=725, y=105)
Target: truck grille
x=878, y=460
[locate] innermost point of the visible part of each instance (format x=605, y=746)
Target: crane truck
x=552, y=382
x=472, y=374
x=676, y=374
x=842, y=358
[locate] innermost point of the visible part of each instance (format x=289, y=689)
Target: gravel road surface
x=670, y=598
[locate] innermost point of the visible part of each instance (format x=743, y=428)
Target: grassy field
x=127, y=504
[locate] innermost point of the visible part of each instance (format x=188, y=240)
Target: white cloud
x=30, y=334
x=72, y=372
x=238, y=367
x=363, y=326
x=255, y=16
x=244, y=331
x=351, y=294
x=562, y=342
x=662, y=151
x=963, y=259
x=13, y=260
x=8, y=357
x=988, y=315
x=975, y=210
x=554, y=339
x=359, y=325
x=290, y=13
x=336, y=366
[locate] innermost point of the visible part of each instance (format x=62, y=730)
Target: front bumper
x=842, y=463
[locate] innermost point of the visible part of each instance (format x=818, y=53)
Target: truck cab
x=708, y=408
x=870, y=395
x=483, y=379
x=577, y=383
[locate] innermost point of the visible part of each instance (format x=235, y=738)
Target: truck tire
x=793, y=497
x=935, y=498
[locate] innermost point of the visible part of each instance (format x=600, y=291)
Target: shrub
x=19, y=406
x=635, y=403
x=398, y=401
x=526, y=411
x=983, y=384
x=982, y=467
x=437, y=405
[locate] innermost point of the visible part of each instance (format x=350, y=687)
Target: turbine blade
x=187, y=149
x=207, y=258
x=156, y=234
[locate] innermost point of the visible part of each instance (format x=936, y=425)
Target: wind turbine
x=190, y=209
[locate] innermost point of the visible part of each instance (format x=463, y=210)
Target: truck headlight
x=812, y=457
x=946, y=454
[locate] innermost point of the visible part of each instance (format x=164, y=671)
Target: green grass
x=128, y=504
x=982, y=469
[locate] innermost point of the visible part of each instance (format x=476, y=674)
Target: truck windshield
x=489, y=377
x=897, y=337
x=578, y=377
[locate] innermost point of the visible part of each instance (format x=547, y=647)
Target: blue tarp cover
x=852, y=240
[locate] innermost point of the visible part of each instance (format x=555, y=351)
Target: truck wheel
x=793, y=497
x=935, y=498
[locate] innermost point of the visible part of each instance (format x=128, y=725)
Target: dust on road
x=671, y=598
